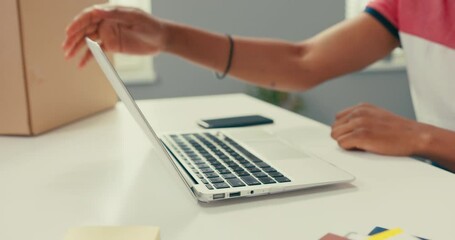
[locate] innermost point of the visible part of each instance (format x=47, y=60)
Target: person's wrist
x=168, y=29
x=424, y=139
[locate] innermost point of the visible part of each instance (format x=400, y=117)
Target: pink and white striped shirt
x=426, y=30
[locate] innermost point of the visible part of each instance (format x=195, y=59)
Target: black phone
x=240, y=121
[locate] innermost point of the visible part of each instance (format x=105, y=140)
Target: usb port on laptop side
x=234, y=194
x=219, y=196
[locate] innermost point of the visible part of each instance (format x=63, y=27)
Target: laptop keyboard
x=222, y=163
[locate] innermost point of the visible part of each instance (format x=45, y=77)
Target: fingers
x=88, y=17
x=85, y=59
x=359, y=111
x=351, y=141
x=351, y=127
x=345, y=112
x=351, y=136
x=70, y=40
x=74, y=44
x=98, y=13
x=349, y=110
x=359, y=126
x=87, y=24
x=369, y=128
x=111, y=37
x=340, y=130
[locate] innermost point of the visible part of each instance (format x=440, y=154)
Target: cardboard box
x=39, y=90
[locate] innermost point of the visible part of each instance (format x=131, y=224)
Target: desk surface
x=103, y=171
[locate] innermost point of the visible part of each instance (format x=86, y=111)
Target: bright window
x=396, y=60
x=135, y=69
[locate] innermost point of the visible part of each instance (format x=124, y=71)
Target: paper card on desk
x=388, y=235
x=331, y=236
x=114, y=233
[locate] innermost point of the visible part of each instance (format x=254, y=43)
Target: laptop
x=225, y=164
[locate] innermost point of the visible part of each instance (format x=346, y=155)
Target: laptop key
x=269, y=169
x=204, y=181
x=250, y=181
x=206, y=155
x=216, y=180
x=237, y=169
x=254, y=170
x=238, y=157
x=243, y=162
x=197, y=161
x=218, y=165
x=243, y=174
x=233, y=165
x=282, y=179
x=262, y=164
x=249, y=165
x=209, y=186
x=260, y=174
x=224, y=171
x=221, y=185
x=266, y=180
x=212, y=161
x=191, y=155
x=206, y=170
x=228, y=176
x=228, y=162
x=235, y=182
x=202, y=165
x=211, y=175
x=275, y=174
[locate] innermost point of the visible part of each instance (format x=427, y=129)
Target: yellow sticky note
x=114, y=233
x=386, y=234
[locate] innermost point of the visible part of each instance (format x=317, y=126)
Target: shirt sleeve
x=386, y=12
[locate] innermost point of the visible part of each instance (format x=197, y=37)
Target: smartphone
x=240, y=121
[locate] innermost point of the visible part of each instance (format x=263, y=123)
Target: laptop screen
x=122, y=91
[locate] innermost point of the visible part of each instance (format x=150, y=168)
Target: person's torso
x=426, y=29
x=427, y=33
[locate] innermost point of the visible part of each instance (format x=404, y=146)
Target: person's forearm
x=438, y=145
x=269, y=63
x=346, y=47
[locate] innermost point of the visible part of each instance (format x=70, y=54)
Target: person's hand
x=117, y=29
x=369, y=128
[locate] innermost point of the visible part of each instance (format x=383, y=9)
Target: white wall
x=292, y=20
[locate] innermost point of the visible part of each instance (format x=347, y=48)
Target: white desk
x=102, y=171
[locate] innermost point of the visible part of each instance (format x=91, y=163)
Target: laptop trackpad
x=273, y=149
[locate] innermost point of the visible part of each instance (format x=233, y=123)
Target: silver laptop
x=218, y=165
